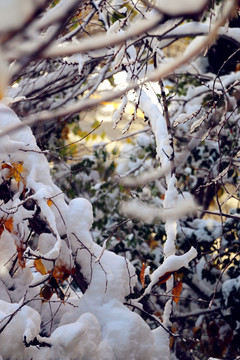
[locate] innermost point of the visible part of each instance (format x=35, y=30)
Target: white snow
x=97, y=325
x=14, y=13
x=25, y=325
x=93, y=325
x=171, y=264
x=228, y=286
x=176, y=8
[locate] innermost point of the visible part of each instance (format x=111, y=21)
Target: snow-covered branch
x=95, y=263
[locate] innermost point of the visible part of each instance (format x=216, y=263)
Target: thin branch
x=103, y=41
x=217, y=213
x=220, y=277
x=195, y=314
x=154, y=317
x=156, y=75
x=84, y=137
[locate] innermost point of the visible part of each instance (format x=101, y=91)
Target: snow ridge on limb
x=171, y=264
x=174, y=205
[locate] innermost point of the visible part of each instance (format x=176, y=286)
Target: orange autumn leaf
x=14, y=170
x=174, y=330
x=21, y=260
x=9, y=224
x=195, y=329
x=49, y=202
x=164, y=278
x=61, y=272
x=57, y=276
x=50, y=288
x=65, y=133
x=8, y=166
x=18, y=170
x=142, y=275
x=177, y=292
x=152, y=243
x=46, y=292
x=40, y=267
x=159, y=315
x=6, y=224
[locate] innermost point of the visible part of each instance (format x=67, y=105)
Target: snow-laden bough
x=52, y=321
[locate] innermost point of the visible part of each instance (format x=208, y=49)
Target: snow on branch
x=176, y=8
x=65, y=295
x=162, y=71
x=150, y=214
x=102, y=41
x=169, y=266
x=43, y=243
x=14, y=14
